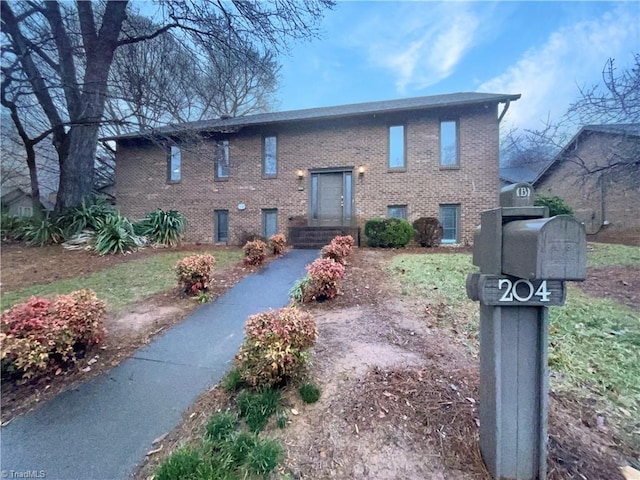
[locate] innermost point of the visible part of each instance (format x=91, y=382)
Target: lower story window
x=221, y=226
x=269, y=222
x=25, y=211
x=397, y=211
x=450, y=220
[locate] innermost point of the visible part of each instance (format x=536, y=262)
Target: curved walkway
x=103, y=429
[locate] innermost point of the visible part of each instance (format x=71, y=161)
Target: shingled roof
x=355, y=109
x=620, y=129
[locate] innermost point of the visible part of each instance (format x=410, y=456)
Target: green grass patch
x=232, y=381
x=440, y=276
x=184, y=463
x=257, y=407
x=595, y=345
x=227, y=452
x=609, y=254
x=309, y=392
x=125, y=283
x=221, y=426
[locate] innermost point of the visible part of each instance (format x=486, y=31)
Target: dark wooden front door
x=331, y=198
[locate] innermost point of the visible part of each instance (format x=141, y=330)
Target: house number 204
x=522, y=290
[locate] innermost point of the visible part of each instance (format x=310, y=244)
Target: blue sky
x=391, y=49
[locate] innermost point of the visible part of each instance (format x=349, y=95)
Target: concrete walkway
x=103, y=429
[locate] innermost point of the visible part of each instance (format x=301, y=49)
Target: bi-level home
x=322, y=169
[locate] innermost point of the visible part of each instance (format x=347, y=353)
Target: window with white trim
x=222, y=160
x=449, y=155
x=450, y=220
x=174, y=165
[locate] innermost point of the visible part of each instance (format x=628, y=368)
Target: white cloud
x=419, y=43
x=548, y=76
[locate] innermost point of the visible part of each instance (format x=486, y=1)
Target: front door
x=331, y=198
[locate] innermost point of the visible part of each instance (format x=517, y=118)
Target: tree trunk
x=36, y=204
x=77, y=169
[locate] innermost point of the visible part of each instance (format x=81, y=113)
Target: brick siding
x=594, y=198
x=141, y=171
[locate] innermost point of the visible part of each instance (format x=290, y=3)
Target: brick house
x=329, y=168
x=606, y=197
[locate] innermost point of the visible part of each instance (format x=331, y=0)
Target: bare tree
x=65, y=52
x=609, y=108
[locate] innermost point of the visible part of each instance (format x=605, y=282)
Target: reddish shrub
x=83, y=313
x=254, y=252
x=275, y=346
x=39, y=334
x=325, y=274
x=338, y=249
x=194, y=273
x=277, y=243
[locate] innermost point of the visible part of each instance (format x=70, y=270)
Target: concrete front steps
x=317, y=237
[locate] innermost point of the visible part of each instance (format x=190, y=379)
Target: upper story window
x=222, y=160
x=270, y=156
x=449, y=144
x=174, y=165
x=397, y=156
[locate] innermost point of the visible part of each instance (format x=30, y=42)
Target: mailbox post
x=524, y=258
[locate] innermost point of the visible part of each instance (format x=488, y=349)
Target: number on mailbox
x=511, y=291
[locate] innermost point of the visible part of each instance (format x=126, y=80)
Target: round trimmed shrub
x=388, y=232
x=428, y=231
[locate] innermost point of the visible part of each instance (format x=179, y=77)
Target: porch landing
x=317, y=237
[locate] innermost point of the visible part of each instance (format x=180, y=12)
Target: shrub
x=163, y=227
x=254, y=252
x=194, y=273
x=388, y=232
x=43, y=231
x=557, y=205
x=275, y=346
x=301, y=291
x=325, y=274
x=83, y=312
x=373, y=231
x=277, y=243
x=88, y=216
x=247, y=236
x=428, y=231
x=40, y=334
x=12, y=228
x=338, y=249
x=115, y=234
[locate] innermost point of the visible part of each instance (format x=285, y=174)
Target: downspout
x=504, y=110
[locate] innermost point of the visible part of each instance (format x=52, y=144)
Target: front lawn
x=594, y=342
x=126, y=283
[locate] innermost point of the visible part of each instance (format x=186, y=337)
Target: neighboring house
x=433, y=156
x=607, y=196
x=18, y=203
